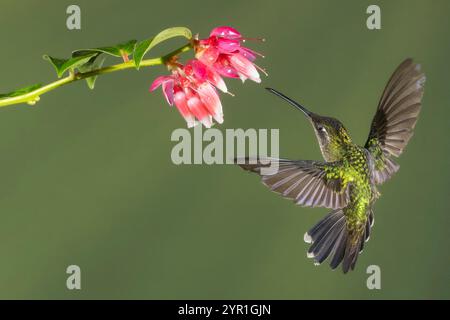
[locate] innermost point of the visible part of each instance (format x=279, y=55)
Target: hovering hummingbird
x=347, y=181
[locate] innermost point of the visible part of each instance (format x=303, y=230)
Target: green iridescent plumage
x=346, y=181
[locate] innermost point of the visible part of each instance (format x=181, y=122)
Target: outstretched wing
x=308, y=183
x=395, y=119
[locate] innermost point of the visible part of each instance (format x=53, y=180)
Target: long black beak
x=294, y=103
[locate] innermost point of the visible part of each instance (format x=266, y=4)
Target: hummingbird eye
x=321, y=128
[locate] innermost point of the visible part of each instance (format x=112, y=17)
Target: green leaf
x=63, y=65
x=116, y=51
x=20, y=91
x=145, y=46
x=91, y=65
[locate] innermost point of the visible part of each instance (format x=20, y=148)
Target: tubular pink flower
x=248, y=53
x=158, y=81
x=228, y=45
x=167, y=87
x=208, y=55
x=224, y=68
x=198, y=109
x=211, y=100
x=215, y=79
x=223, y=52
x=182, y=106
x=204, y=73
x=191, y=89
x=244, y=68
x=167, y=83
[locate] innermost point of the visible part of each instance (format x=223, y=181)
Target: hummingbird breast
x=362, y=193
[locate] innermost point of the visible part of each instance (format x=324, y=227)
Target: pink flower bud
x=225, y=32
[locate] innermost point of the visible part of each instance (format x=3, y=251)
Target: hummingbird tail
x=330, y=237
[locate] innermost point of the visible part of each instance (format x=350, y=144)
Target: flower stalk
x=33, y=96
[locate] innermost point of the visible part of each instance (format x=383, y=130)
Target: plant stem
x=33, y=96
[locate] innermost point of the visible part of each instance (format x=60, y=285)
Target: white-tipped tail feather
x=307, y=238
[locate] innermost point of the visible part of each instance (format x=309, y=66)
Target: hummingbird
x=346, y=181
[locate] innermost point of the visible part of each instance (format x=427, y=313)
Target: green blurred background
x=87, y=177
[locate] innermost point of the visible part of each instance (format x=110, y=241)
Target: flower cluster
x=192, y=87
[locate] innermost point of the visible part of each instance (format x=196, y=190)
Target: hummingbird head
x=330, y=132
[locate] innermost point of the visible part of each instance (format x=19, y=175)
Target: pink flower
x=223, y=53
x=191, y=89
x=204, y=73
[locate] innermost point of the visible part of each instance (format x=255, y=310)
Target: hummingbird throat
x=334, y=142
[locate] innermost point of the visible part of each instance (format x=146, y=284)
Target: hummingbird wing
x=395, y=118
x=304, y=181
